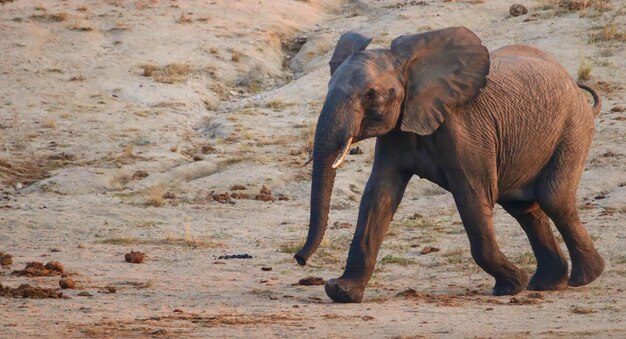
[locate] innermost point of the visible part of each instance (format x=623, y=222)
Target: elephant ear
x=350, y=42
x=445, y=68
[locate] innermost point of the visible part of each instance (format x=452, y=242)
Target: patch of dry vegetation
x=584, y=70
x=169, y=74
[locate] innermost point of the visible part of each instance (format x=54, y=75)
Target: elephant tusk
x=308, y=160
x=343, y=153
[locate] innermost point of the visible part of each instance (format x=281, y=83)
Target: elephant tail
x=597, y=103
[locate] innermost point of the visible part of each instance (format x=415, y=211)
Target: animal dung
x=235, y=256
x=311, y=281
x=134, y=257
x=67, y=283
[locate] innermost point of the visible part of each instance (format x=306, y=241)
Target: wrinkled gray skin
x=509, y=128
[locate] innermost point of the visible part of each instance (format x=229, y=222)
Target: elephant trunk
x=333, y=131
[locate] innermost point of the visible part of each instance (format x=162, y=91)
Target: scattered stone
x=517, y=10
x=6, y=259
x=62, y=156
x=600, y=196
x=134, y=257
x=55, y=266
x=266, y=268
x=111, y=289
x=429, y=249
x=235, y=256
x=535, y=295
x=265, y=194
x=236, y=195
x=311, y=281
x=523, y=301
x=55, y=250
x=84, y=294
x=582, y=310
x=140, y=175
x=238, y=188
x=356, y=151
x=205, y=149
x=223, y=198
x=618, y=108
x=169, y=195
x=28, y=291
x=338, y=224
x=67, y=283
x=197, y=157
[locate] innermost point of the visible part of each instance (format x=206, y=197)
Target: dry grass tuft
x=78, y=26
x=184, y=19
x=584, y=70
x=155, y=196
x=50, y=17
x=169, y=74
x=50, y=123
x=235, y=56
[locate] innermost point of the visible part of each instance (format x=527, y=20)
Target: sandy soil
x=123, y=122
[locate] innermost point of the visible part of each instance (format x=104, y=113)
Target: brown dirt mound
x=28, y=291
x=37, y=269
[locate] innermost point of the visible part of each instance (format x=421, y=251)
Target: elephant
x=510, y=127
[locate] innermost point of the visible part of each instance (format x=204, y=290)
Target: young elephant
x=510, y=127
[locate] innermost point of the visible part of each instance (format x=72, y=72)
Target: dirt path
x=127, y=125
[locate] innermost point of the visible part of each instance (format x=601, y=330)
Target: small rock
x=140, y=175
x=55, y=266
x=5, y=259
x=266, y=268
x=84, y=294
x=134, y=257
x=67, y=283
x=338, y=224
x=429, y=249
x=238, y=188
x=517, y=10
x=169, y=195
x=356, y=151
x=223, y=198
x=111, y=289
x=234, y=256
x=618, y=108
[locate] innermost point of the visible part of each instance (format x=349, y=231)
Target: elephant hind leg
x=551, y=273
x=556, y=194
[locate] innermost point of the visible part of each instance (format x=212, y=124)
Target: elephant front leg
x=476, y=214
x=381, y=198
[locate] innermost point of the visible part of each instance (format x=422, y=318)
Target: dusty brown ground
x=122, y=123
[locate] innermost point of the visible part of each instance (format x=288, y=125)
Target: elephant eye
x=369, y=95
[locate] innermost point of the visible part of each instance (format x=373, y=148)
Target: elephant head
x=413, y=86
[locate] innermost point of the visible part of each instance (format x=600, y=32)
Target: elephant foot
x=550, y=277
x=511, y=285
x=586, y=269
x=343, y=291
